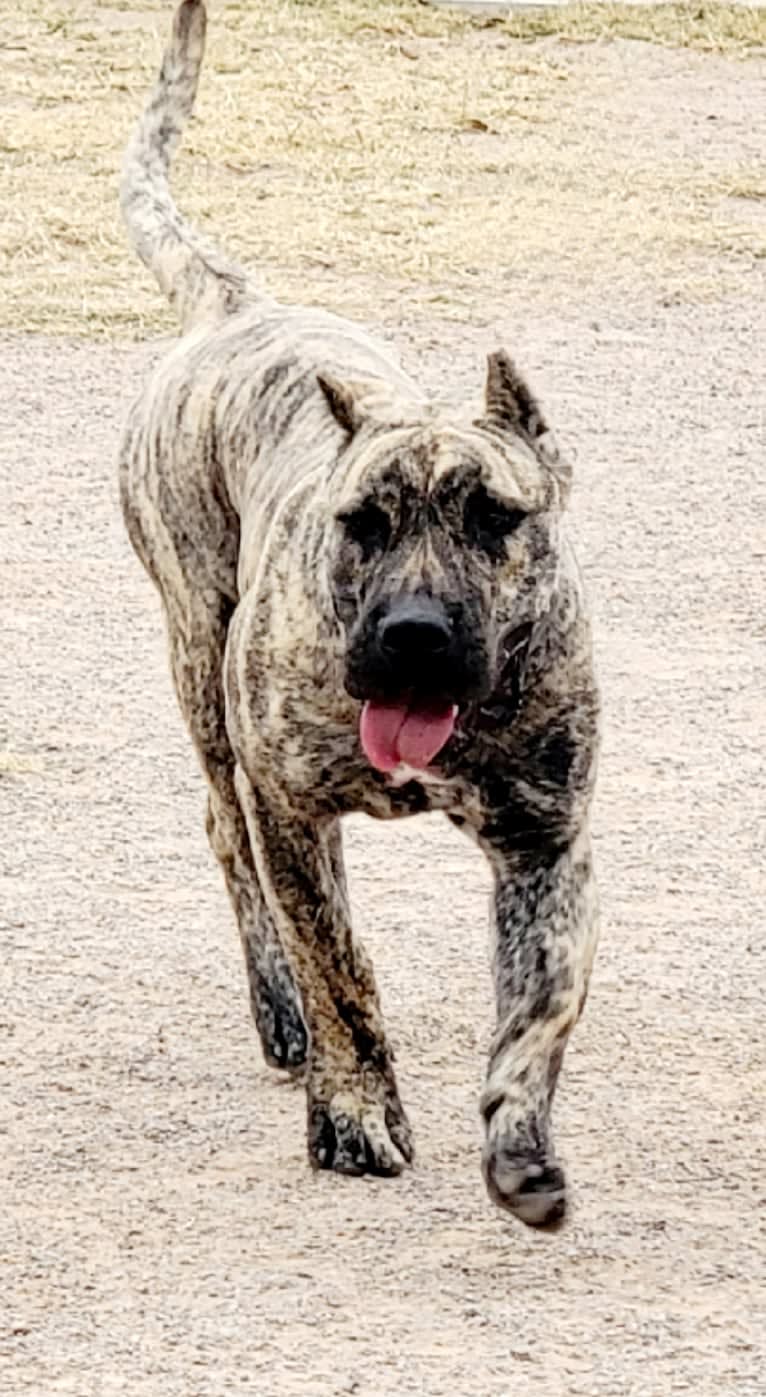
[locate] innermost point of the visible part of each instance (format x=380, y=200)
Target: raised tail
x=199, y=281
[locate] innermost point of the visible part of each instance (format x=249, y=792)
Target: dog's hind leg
x=197, y=632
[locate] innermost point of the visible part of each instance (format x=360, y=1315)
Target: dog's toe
x=353, y=1136
x=534, y=1192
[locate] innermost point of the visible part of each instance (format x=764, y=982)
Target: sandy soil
x=161, y=1234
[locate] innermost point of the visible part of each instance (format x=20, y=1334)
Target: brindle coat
x=257, y=441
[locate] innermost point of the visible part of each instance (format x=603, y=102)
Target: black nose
x=415, y=630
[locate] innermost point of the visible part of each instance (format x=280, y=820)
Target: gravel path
x=161, y=1233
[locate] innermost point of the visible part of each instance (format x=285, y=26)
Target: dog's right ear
x=345, y=401
x=364, y=402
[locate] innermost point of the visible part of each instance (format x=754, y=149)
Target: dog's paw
x=353, y=1134
x=535, y=1193
x=280, y=1023
x=521, y=1175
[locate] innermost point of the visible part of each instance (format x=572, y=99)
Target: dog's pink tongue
x=394, y=733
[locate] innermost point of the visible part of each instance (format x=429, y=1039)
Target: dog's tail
x=199, y=282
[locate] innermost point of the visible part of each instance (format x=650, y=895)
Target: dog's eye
x=488, y=522
x=369, y=526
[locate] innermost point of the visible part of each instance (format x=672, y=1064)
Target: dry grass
x=19, y=764
x=356, y=146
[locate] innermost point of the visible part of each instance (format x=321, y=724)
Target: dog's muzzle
x=413, y=667
x=412, y=638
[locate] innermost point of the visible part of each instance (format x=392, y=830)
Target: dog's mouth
x=412, y=733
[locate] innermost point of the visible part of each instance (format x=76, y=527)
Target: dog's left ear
x=512, y=407
x=356, y=403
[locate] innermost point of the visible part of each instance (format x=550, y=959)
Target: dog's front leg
x=546, y=929
x=356, y=1123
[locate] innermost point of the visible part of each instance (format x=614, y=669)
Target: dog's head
x=444, y=547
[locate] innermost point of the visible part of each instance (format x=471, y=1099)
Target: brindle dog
x=371, y=606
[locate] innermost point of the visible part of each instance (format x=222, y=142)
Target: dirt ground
x=160, y=1232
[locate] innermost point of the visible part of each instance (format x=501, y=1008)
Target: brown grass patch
x=353, y=145
x=19, y=764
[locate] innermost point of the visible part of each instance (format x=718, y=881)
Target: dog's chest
x=430, y=780
x=407, y=791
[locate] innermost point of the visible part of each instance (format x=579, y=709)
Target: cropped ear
x=512, y=407
x=356, y=403
x=370, y=402
x=510, y=403
x=344, y=402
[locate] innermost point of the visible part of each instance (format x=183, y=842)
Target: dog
x=371, y=606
